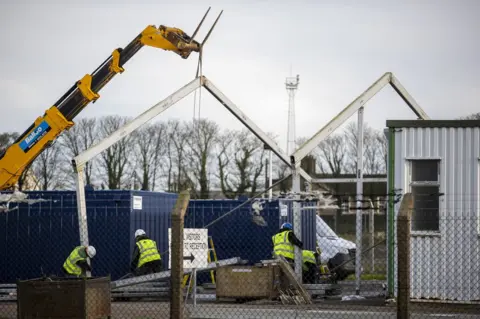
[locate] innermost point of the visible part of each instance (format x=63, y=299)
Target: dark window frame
x=430, y=220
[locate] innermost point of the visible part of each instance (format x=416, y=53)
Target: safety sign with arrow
x=191, y=257
x=195, y=247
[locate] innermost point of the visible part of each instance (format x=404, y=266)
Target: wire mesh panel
x=442, y=254
x=229, y=266
x=41, y=251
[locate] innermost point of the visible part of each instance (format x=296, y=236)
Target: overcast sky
x=338, y=48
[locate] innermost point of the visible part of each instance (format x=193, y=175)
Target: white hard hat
x=91, y=251
x=139, y=232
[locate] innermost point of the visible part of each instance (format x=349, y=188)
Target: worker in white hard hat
x=146, y=259
x=76, y=264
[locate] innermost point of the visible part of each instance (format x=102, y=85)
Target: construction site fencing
x=228, y=260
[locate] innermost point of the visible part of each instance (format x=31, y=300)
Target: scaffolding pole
x=358, y=259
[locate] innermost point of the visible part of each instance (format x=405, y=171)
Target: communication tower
x=291, y=84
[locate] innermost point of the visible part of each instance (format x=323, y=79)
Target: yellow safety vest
x=309, y=257
x=281, y=245
x=70, y=264
x=148, y=251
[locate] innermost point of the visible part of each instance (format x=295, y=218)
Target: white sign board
x=195, y=248
x=137, y=202
x=283, y=210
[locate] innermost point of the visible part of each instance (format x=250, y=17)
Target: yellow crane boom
x=58, y=118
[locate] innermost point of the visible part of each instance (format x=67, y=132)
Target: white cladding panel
x=445, y=265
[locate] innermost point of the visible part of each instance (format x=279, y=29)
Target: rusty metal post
x=403, y=262
x=176, y=271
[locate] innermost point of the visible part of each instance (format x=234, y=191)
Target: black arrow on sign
x=191, y=257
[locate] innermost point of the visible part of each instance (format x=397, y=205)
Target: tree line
x=173, y=155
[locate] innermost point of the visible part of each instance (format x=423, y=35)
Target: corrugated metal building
x=439, y=163
x=36, y=239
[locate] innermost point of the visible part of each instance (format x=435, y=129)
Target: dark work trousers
x=309, y=274
x=149, y=268
x=68, y=275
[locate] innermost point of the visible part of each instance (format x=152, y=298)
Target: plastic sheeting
x=16, y=197
x=329, y=242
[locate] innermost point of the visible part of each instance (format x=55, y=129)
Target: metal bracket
x=115, y=64
x=85, y=86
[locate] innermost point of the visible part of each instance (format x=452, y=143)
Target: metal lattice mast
x=291, y=85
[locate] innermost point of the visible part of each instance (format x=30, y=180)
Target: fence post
x=176, y=271
x=372, y=237
x=403, y=262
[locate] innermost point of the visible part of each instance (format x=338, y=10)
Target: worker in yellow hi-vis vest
x=309, y=266
x=76, y=264
x=146, y=258
x=284, y=242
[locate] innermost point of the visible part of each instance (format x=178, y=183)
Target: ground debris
x=291, y=296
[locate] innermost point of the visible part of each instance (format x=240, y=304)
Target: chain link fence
x=228, y=266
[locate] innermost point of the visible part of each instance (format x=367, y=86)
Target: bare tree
x=77, y=140
x=6, y=139
x=150, y=145
x=331, y=155
x=240, y=162
x=177, y=177
x=382, y=144
x=114, y=160
x=281, y=170
x=170, y=156
x=372, y=150
x=373, y=156
x=47, y=168
x=473, y=116
x=201, y=141
x=26, y=180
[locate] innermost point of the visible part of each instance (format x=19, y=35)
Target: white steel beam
x=225, y=101
x=407, y=98
x=348, y=180
x=82, y=214
x=353, y=107
x=80, y=160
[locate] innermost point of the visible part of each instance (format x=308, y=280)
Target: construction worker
x=76, y=264
x=146, y=258
x=284, y=241
x=309, y=266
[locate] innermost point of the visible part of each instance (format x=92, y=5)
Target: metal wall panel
x=38, y=238
x=445, y=265
x=108, y=214
x=155, y=219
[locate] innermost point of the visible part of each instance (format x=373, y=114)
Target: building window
x=425, y=188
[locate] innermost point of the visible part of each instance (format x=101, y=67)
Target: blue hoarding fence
x=36, y=239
